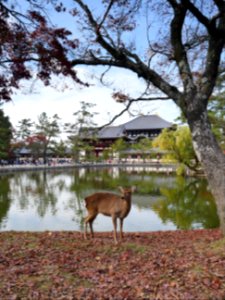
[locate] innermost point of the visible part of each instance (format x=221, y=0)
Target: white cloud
x=64, y=97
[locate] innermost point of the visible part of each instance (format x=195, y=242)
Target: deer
x=111, y=205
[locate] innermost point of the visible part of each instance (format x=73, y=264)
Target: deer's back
x=105, y=203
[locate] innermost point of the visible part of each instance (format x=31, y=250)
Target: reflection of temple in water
x=81, y=172
x=114, y=171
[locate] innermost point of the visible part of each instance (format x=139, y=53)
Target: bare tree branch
x=103, y=74
x=118, y=115
x=106, y=14
x=130, y=102
x=196, y=12
x=122, y=58
x=179, y=49
x=220, y=4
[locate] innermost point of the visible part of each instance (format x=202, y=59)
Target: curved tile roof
x=111, y=132
x=147, y=122
x=139, y=123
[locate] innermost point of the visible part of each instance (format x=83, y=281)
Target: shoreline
x=166, y=168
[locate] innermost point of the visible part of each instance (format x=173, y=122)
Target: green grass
x=218, y=246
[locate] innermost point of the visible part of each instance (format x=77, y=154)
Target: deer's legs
x=91, y=226
x=114, y=219
x=121, y=228
x=89, y=219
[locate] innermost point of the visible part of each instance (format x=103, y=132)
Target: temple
x=149, y=126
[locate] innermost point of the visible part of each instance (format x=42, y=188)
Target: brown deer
x=109, y=204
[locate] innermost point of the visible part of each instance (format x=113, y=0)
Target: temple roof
x=147, y=122
x=111, y=132
x=140, y=123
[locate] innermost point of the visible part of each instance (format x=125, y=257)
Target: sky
x=63, y=97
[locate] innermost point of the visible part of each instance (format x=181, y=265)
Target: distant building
x=149, y=126
x=141, y=127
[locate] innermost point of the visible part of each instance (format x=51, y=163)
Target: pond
x=53, y=200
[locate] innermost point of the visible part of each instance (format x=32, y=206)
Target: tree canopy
x=178, y=146
x=5, y=135
x=38, y=137
x=42, y=49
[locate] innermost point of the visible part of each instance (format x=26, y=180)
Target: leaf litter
x=152, y=265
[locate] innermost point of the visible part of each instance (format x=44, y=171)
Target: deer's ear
x=121, y=189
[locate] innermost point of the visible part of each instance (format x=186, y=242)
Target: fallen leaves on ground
x=156, y=265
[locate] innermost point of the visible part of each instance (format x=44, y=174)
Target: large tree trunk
x=212, y=160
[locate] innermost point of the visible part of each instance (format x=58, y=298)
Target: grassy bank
x=155, y=265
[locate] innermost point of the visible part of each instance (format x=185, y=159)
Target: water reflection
x=187, y=204
x=5, y=200
x=53, y=200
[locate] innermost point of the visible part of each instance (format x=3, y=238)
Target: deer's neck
x=127, y=205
